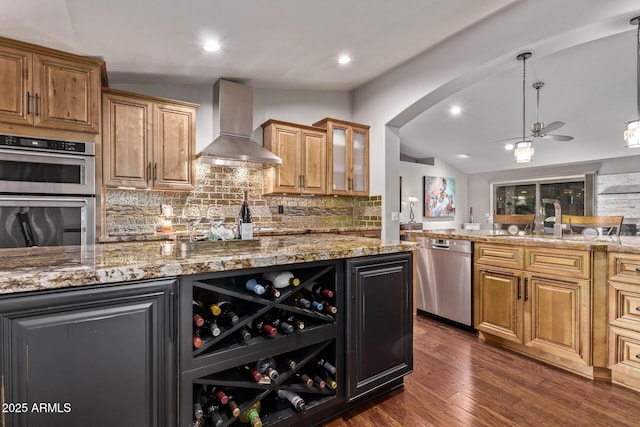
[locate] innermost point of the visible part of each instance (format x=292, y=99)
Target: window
x=575, y=194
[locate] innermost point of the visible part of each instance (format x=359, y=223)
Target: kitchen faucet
x=557, y=226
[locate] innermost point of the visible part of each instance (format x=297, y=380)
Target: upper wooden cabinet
x=303, y=150
x=48, y=88
x=348, y=157
x=148, y=142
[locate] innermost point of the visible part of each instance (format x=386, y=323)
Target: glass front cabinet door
x=349, y=157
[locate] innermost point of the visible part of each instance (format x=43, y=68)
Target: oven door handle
x=15, y=154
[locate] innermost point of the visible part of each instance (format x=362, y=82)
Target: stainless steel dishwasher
x=444, y=279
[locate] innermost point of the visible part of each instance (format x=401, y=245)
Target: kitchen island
x=572, y=302
x=105, y=333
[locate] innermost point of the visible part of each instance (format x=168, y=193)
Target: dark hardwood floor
x=460, y=381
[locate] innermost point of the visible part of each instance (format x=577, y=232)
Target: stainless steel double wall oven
x=47, y=192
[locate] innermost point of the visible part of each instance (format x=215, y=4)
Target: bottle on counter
x=281, y=279
x=246, y=225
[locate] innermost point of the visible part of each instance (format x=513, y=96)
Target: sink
x=212, y=245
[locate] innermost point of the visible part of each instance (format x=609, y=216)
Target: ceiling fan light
x=523, y=152
x=632, y=134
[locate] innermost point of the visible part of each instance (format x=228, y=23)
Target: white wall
x=297, y=106
x=401, y=94
x=412, y=185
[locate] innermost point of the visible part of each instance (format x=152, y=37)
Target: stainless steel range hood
x=232, y=130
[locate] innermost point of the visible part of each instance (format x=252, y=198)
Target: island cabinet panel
x=49, y=89
x=541, y=306
x=102, y=356
x=380, y=322
x=623, y=352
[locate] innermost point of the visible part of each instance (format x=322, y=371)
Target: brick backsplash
x=138, y=212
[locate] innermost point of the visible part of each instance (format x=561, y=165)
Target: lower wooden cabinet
x=547, y=316
x=101, y=356
x=380, y=322
x=623, y=352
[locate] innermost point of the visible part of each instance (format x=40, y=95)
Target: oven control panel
x=46, y=144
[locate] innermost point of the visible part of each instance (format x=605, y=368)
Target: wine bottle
x=281, y=279
x=210, y=304
x=329, y=309
x=252, y=415
x=198, y=413
x=217, y=393
x=197, y=422
x=290, y=363
x=246, y=225
x=252, y=371
x=274, y=320
x=197, y=338
x=227, y=312
x=292, y=320
x=270, y=290
x=244, y=336
x=255, y=287
x=198, y=314
x=323, y=363
x=212, y=324
x=299, y=300
x=231, y=403
x=261, y=327
x=210, y=408
x=319, y=382
x=331, y=382
x=267, y=366
x=296, y=401
x=315, y=304
x=304, y=379
x=319, y=291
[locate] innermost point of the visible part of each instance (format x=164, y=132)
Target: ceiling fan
x=538, y=129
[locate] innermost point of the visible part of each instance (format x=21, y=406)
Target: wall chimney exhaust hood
x=232, y=130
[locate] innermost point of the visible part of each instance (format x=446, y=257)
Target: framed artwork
x=439, y=196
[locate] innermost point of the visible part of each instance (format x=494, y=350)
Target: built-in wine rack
x=224, y=360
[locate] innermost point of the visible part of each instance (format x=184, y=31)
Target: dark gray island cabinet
x=124, y=354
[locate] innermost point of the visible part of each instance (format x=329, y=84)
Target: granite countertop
x=29, y=269
x=628, y=244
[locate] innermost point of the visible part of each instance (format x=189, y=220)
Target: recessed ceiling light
x=211, y=46
x=464, y=155
x=344, y=59
x=508, y=147
x=455, y=110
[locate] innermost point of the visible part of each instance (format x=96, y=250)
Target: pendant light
x=632, y=134
x=523, y=150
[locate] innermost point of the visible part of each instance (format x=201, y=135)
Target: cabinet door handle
x=526, y=295
x=304, y=181
x=637, y=356
x=149, y=171
x=300, y=181
x=637, y=308
x=28, y=103
x=638, y=269
x=37, y=109
x=556, y=280
x=172, y=316
x=501, y=273
x=350, y=183
x=155, y=171
x=519, y=295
